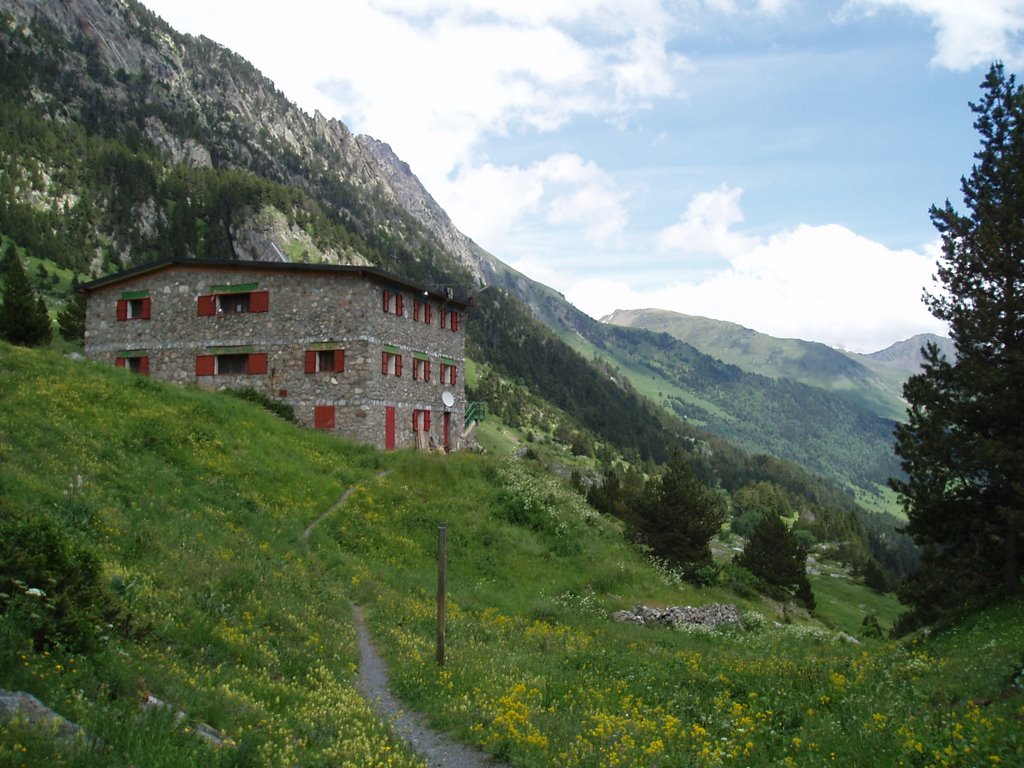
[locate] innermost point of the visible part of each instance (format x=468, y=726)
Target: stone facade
x=353, y=350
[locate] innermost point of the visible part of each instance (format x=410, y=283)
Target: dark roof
x=276, y=266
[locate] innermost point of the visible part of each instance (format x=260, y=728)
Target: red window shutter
x=339, y=360
x=259, y=301
x=387, y=301
x=323, y=416
x=426, y=314
x=384, y=363
x=122, y=309
x=147, y=304
x=444, y=318
x=205, y=365
x=310, y=361
x=399, y=305
x=207, y=305
x=144, y=364
x=426, y=421
x=455, y=321
x=426, y=370
x=119, y=362
x=416, y=310
x=415, y=420
x=257, y=363
x=398, y=365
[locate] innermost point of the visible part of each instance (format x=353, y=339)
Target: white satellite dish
x=448, y=399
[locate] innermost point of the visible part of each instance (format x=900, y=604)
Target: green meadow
x=166, y=543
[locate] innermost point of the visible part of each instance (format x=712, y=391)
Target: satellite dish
x=448, y=399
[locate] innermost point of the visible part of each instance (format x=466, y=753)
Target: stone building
x=353, y=350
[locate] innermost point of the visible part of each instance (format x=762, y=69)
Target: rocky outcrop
x=27, y=708
x=675, y=616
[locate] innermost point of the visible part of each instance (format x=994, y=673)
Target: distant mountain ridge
x=873, y=380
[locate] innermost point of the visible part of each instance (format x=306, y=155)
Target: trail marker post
x=442, y=577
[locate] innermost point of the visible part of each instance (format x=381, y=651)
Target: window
x=323, y=416
x=229, y=300
x=422, y=311
x=231, y=364
x=449, y=374
x=319, y=360
x=449, y=319
x=390, y=363
x=133, y=308
x=420, y=368
x=394, y=303
x=420, y=420
x=135, y=363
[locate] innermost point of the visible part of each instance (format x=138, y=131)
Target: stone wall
x=307, y=310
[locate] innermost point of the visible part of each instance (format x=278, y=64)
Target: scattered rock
x=709, y=616
x=26, y=707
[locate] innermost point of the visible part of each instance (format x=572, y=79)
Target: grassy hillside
x=207, y=595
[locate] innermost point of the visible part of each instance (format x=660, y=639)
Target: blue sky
x=767, y=162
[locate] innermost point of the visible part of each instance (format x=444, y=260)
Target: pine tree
x=71, y=319
x=962, y=447
x=23, y=317
x=776, y=556
x=678, y=516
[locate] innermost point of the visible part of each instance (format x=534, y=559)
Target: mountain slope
x=817, y=365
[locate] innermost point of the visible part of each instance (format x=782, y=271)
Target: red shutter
x=119, y=362
x=426, y=370
x=398, y=365
x=387, y=301
x=455, y=375
x=426, y=314
x=455, y=321
x=122, y=309
x=146, y=307
x=399, y=305
x=416, y=310
x=207, y=305
x=384, y=363
x=310, y=361
x=415, y=420
x=144, y=364
x=339, y=360
x=426, y=421
x=257, y=363
x=205, y=365
x=323, y=416
x=444, y=317
x=259, y=301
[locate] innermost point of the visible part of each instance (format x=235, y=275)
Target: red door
x=389, y=428
x=447, y=431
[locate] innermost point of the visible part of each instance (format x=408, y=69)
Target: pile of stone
x=708, y=616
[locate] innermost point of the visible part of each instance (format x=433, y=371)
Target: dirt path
x=436, y=749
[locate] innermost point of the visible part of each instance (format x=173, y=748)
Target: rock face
x=709, y=616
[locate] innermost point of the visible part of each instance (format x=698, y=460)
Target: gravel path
x=437, y=749
x=434, y=747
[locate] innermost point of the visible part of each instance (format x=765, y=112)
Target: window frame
x=329, y=360
x=391, y=363
x=421, y=420
x=210, y=364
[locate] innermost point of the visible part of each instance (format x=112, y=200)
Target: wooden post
x=442, y=577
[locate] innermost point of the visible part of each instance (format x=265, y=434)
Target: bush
x=49, y=587
x=283, y=410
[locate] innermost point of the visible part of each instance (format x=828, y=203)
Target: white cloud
x=822, y=283
x=706, y=227
x=968, y=33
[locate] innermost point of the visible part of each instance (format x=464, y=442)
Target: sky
x=766, y=162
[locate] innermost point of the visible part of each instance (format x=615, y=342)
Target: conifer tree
x=71, y=319
x=775, y=555
x=678, y=516
x=962, y=447
x=23, y=316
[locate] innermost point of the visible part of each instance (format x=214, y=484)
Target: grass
x=196, y=504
